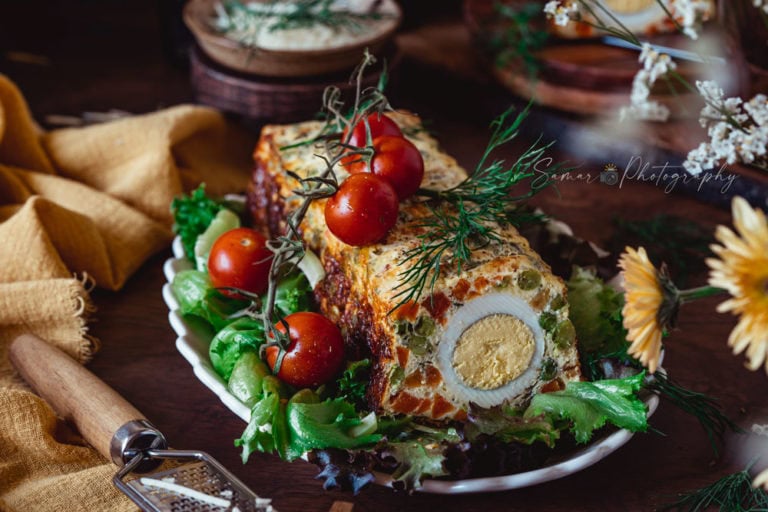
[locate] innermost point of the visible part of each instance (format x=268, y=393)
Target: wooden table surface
x=107, y=55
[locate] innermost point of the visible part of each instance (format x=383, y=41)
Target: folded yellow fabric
x=81, y=206
x=46, y=467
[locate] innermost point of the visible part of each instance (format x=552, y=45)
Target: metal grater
x=195, y=481
x=200, y=472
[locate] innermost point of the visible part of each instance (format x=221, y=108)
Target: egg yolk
x=493, y=351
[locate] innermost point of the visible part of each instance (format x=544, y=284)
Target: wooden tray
x=266, y=99
x=585, y=76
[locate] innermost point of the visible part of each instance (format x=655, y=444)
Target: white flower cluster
x=561, y=11
x=654, y=66
x=738, y=131
x=761, y=4
x=690, y=14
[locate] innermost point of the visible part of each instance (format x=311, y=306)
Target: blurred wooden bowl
x=283, y=63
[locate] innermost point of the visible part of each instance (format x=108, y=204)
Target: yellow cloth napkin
x=84, y=206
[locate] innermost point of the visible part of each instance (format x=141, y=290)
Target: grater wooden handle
x=75, y=393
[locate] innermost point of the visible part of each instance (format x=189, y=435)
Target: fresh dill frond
x=703, y=407
x=467, y=217
x=732, y=493
x=448, y=235
x=519, y=37
x=490, y=186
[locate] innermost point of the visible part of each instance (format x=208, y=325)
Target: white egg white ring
x=468, y=314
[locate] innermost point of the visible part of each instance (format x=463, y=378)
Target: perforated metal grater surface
x=201, y=485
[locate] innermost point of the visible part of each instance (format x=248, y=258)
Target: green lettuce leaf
x=293, y=294
x=354, y=382
x=595, y=311
x=333, y=423
x=247, y=378
x=197, y=297
x=267, y=430
x=192, y=214
x=510, y=426
x=416, y=460
x=242, y=335
x=589, y=405
x=225, y=220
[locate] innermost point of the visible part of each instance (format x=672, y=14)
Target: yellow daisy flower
x=741, y=268
x=650, y=306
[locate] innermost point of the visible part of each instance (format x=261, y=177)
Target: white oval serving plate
x=194, y=348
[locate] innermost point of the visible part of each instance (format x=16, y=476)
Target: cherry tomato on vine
x=396, y=160
x=379, y=125
x=363, y=210
x=315, y=353
x=240, y=259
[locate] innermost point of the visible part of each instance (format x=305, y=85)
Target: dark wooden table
x=108, y=55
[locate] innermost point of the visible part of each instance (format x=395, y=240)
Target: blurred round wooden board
x=267, y=99
x=582, y=76
x=289, y=61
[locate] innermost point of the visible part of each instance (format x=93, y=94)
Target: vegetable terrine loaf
x=495, y=333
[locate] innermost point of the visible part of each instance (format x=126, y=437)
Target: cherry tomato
x=240, y=259
x=396, y=160
x=379, y=125
x=315, y=353
x=363, y=210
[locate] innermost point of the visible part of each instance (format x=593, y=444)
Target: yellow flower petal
x=741, y=268
x=643, y=298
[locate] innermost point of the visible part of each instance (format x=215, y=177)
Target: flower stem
x=699, y=293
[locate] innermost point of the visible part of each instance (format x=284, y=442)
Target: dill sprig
x=246, y=22
x=467, y=217
x=704, y=408
x=490, y=185
x=448, y=235
x=519, y=38
x=732, y=493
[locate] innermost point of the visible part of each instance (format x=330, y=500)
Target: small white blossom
x=646, y=111
x=761, y=4
x=717, y=107
x=757, y=108
x=654, y=66
x=700, y=159
x=560, y=11
x=738, y=131
x=690, y=14
x=710, y=91
x=655, y=63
